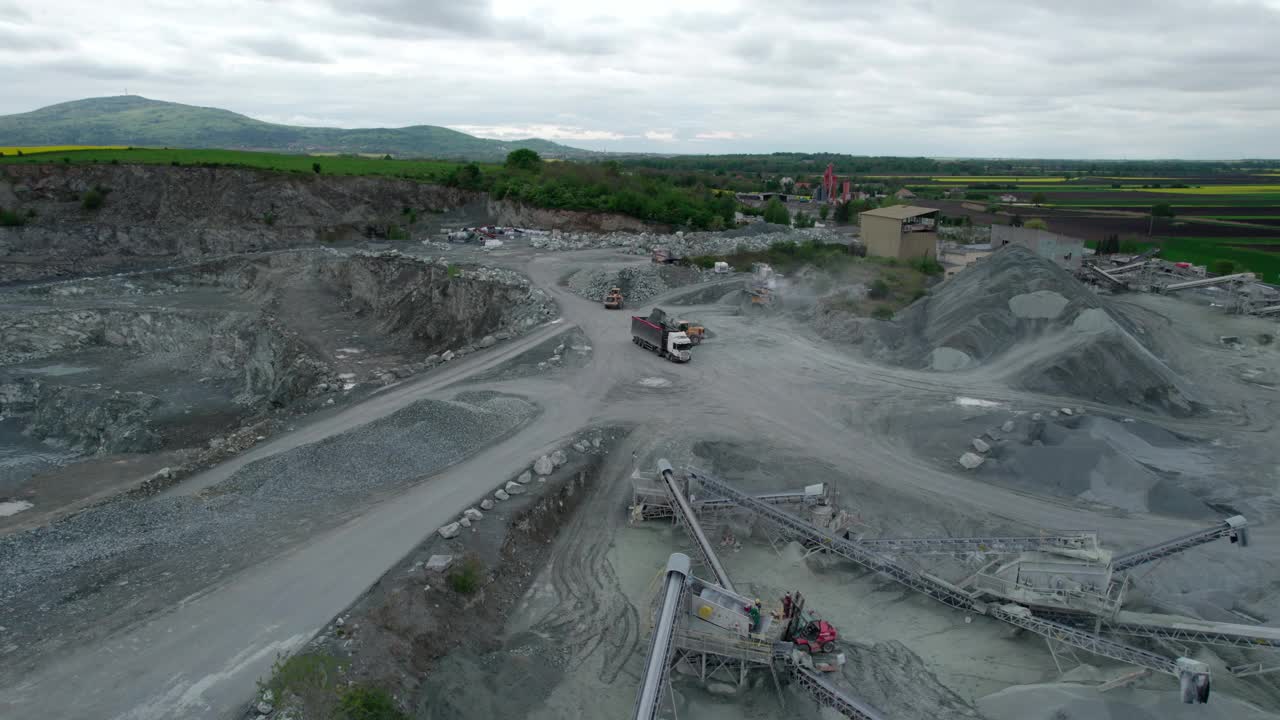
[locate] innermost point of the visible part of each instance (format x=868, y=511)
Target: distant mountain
x=135, y=120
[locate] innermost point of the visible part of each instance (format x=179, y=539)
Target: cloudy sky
x=1024, y=78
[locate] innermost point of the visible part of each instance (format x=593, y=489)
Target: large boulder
x=450, y=531
x=558, y=458
x=971, y=461
x=525, y=478
x=472, y=514
x=514, y=488
x=543, y=465
x=501, y=494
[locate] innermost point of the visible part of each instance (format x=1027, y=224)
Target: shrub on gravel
x=368, y=703
x=310, y=677
x=466, y=576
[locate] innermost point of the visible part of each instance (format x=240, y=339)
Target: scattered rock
x=971, y=461
x=722, y=689
x=472, y=514
x=432, y=359
x=525, y=477
x=1007, y=426
x=439, y=563
x=447, y=356
x=1067, y=411
x=501, y=494
x=264, y=707
x=465, y=522
x=1053, y=413
x=1037, y=417
x=487, y=341
x=595, y=442
x=486, y=504
x=514, y=488
x=580, y=446
x=981, y=445
x=450, y=531
x=543, y=465
x=558, y=458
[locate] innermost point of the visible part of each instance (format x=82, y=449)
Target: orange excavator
x=696, y=333
x=613, y=300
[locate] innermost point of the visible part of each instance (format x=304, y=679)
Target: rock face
x=159, y=212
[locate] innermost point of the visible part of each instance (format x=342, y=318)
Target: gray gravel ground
x=128, y=555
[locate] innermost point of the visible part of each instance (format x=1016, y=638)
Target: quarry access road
x=755, y=380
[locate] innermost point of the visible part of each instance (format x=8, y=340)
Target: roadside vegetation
x=313, y=684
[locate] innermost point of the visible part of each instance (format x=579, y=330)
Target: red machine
x=817, y=636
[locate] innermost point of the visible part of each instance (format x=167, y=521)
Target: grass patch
x=466, y=576
x=12, y=218
x=368, y=703
x=18, y=150
x=1206, y=251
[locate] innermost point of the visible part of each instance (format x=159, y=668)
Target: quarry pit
x=230, y=454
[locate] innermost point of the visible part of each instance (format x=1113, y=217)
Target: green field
x=1204, y=250
x=433, y=170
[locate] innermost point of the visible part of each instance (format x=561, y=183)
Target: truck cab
x=678, y=345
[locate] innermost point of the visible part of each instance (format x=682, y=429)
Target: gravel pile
x=638, y=284
x=1046, y=330
x=149, y=554
x=683, y=244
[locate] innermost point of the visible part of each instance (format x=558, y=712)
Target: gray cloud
x=1086, y=78
x=281, y=48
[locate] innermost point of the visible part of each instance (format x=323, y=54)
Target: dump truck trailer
x=658, y=337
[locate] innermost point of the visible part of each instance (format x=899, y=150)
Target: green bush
x=454, y=271
x=706, y=262
x=9, y=218
x=1222, y=267
x=93, y=199
x=882, y=312
x=775, y=212
x=367, y=703
x=879, y=290
x=928, y=266
x=466, y=576
x=524, y=159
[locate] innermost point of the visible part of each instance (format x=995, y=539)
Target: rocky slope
x=126, y=365
x=154, y=216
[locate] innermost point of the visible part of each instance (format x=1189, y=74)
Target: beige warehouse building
x=903, y=232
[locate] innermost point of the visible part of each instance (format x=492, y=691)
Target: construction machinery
x=762, y=285
x=613, y=299
x=712, y=631
x=696, y=333
x=1045, y=599
x=655, y=334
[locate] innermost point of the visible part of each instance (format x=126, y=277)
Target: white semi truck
x=656, y=334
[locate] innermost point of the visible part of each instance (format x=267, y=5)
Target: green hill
x=138, y=121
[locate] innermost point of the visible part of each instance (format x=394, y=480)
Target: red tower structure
x=829, y=184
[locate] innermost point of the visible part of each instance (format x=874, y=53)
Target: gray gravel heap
x=638, y=284
x=684, y=244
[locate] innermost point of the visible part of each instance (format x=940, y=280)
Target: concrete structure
x=955, y=257
x=903, y=232
x=1063, y=250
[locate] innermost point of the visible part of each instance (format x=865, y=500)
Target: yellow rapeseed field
x=35, y=149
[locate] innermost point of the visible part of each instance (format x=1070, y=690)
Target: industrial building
x=903, y=232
